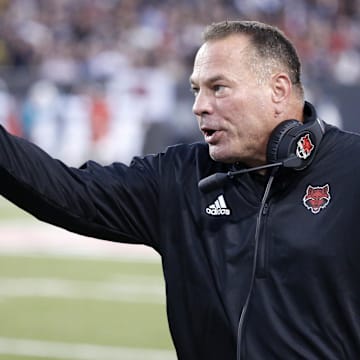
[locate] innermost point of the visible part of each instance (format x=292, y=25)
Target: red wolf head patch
x=317, y=198
x=304, y=147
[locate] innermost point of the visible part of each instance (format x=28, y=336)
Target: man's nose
x=202, y=104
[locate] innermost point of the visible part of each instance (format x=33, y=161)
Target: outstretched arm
x=113, y=202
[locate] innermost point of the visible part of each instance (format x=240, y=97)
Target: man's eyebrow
x=210, y=80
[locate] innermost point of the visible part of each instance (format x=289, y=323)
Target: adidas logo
x=218, y=208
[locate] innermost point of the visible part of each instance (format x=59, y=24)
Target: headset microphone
x=218, y=179
x=292, y=144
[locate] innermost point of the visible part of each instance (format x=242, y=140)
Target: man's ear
x=281, y=87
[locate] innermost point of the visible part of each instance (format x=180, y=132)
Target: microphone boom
x=218, y=179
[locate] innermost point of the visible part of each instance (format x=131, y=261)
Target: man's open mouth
x=208, y=132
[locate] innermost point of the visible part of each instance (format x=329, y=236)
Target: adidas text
x=217, y=211
x=219, y=207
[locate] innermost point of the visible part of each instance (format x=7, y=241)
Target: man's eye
x=195, y=91
x=219, y=88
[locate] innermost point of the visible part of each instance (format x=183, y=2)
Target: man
x=258, y=266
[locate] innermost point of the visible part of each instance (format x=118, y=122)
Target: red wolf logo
x=304, y=147
x=317, y=198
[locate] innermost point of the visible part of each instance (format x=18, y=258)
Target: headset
x=295, y=138
x=292, y=144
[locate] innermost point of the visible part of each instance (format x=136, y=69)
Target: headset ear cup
x=274, y=151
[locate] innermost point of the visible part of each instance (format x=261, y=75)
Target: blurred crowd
x=108, y=79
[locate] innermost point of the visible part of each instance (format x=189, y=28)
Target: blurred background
x=107, y=80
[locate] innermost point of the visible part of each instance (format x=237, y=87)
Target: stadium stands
x=120, y=68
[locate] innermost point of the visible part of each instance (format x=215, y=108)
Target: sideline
x=36, y=238
x=125, y=289
x=61, y=350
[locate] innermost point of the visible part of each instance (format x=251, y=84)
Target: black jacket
x=305, y=300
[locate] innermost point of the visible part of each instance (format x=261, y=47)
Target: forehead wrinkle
x=210, y=71
x=222, y=54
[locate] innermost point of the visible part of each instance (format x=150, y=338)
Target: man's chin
x=221, y=157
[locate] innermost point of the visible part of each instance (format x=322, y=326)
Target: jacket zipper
x=258, y=263
x=261, y=266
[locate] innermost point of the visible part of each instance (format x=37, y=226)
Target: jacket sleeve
x=115, y=202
